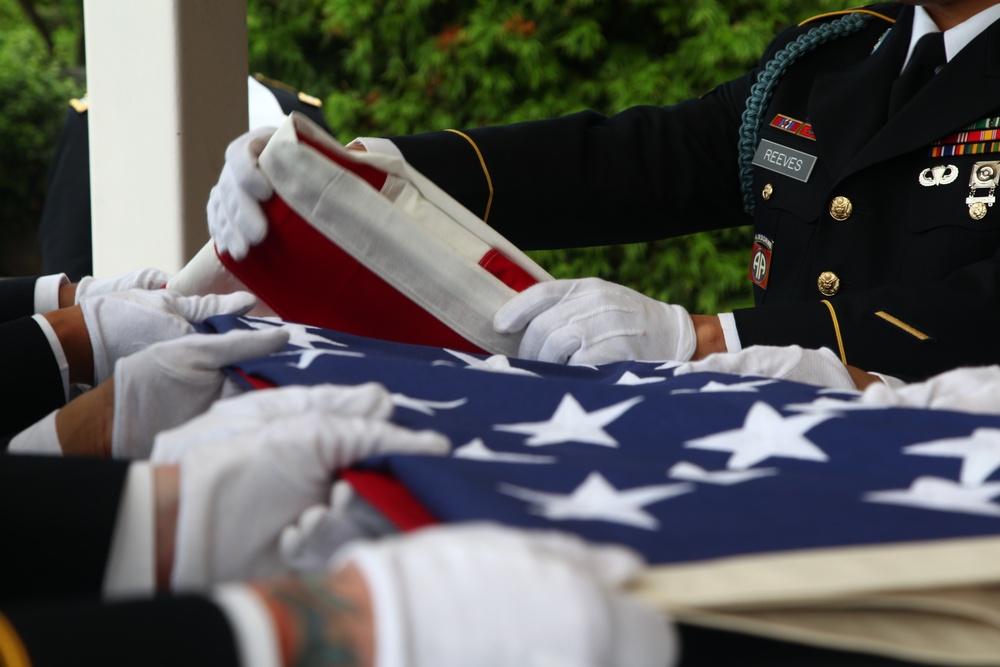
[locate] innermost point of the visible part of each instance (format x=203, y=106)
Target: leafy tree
x=388, y=67
x=37, y=50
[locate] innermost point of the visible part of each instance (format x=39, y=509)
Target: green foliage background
x=35, y=81
x=386, y=67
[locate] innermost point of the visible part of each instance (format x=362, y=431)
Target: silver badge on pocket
x=938, y=175
x=985, y=176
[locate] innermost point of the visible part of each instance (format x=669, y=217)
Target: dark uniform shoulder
x=80, y=104
x=882, y=11
x=281, y=87
x=291, y=99
x=877, y=18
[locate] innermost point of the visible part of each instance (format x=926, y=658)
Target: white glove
x=235, y=416
x=169, y=383
x=488, y=596
x=235, y=218
x=123, y=323
x=307, y=544
x=237, y=495
x=141, y=279
x=975, y=390
x=592, y=321
x=39, y=438
x=816, y=367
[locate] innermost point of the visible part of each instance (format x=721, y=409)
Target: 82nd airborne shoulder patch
x=760, y=260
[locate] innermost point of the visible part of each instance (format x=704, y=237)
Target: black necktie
x=927, y=57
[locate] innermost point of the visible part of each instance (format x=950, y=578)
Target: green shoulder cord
x=767, y=79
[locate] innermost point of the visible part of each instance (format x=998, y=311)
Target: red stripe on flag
x=384, y=492
x=389, y=497
x=256, y=382
x=509, y=273
x=306, y=278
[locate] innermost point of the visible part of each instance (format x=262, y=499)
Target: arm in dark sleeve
x=292, y=101
x=32, y=380
x=707, y=647
x=58, y=517
x=17, y=298
x=585, y=179
x=183, y=630
x=189, y=630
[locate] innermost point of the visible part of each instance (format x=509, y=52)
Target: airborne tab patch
x=760, y=260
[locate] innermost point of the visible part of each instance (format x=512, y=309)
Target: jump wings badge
x=939, y=175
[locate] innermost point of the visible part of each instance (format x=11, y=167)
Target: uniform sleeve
x=292, y=100
x=186, y=630
x=27, y=295
x=17, y=298
x=58, y=515
x=706, y=647
x=585, y=179
x=31, y=374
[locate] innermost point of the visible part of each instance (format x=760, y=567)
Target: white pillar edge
x=166, y=82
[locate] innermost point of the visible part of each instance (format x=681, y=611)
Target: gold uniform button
x=828, y=283
x=768, y=191
x=841, y=208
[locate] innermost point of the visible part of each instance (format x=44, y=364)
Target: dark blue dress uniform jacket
x=910, y=279
x=33, y=384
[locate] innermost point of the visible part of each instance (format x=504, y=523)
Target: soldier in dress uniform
x=865, y=155
x=876, y=233
x=64, y=230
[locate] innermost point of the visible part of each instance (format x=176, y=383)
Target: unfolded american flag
x=743, y=492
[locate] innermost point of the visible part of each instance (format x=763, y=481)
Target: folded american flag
x=747, y=493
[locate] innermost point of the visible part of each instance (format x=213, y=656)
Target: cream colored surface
x=810, y=575
x=935, y=602
x=167, y=90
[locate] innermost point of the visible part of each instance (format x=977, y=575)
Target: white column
x=166, y=80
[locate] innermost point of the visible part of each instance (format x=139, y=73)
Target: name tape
x=784, y=160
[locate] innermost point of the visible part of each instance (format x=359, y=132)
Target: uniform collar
x=955, y=39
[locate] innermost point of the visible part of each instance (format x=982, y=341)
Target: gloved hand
x=169, y=383
x=235, y=218
x=237, y=495
x=141, y=279
x=963, y=389
x=486, y=595
x=250, y=411
x=123, y=323
x=816, y=367
x=307, y=544
x=39, y=438
x=592, y=321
